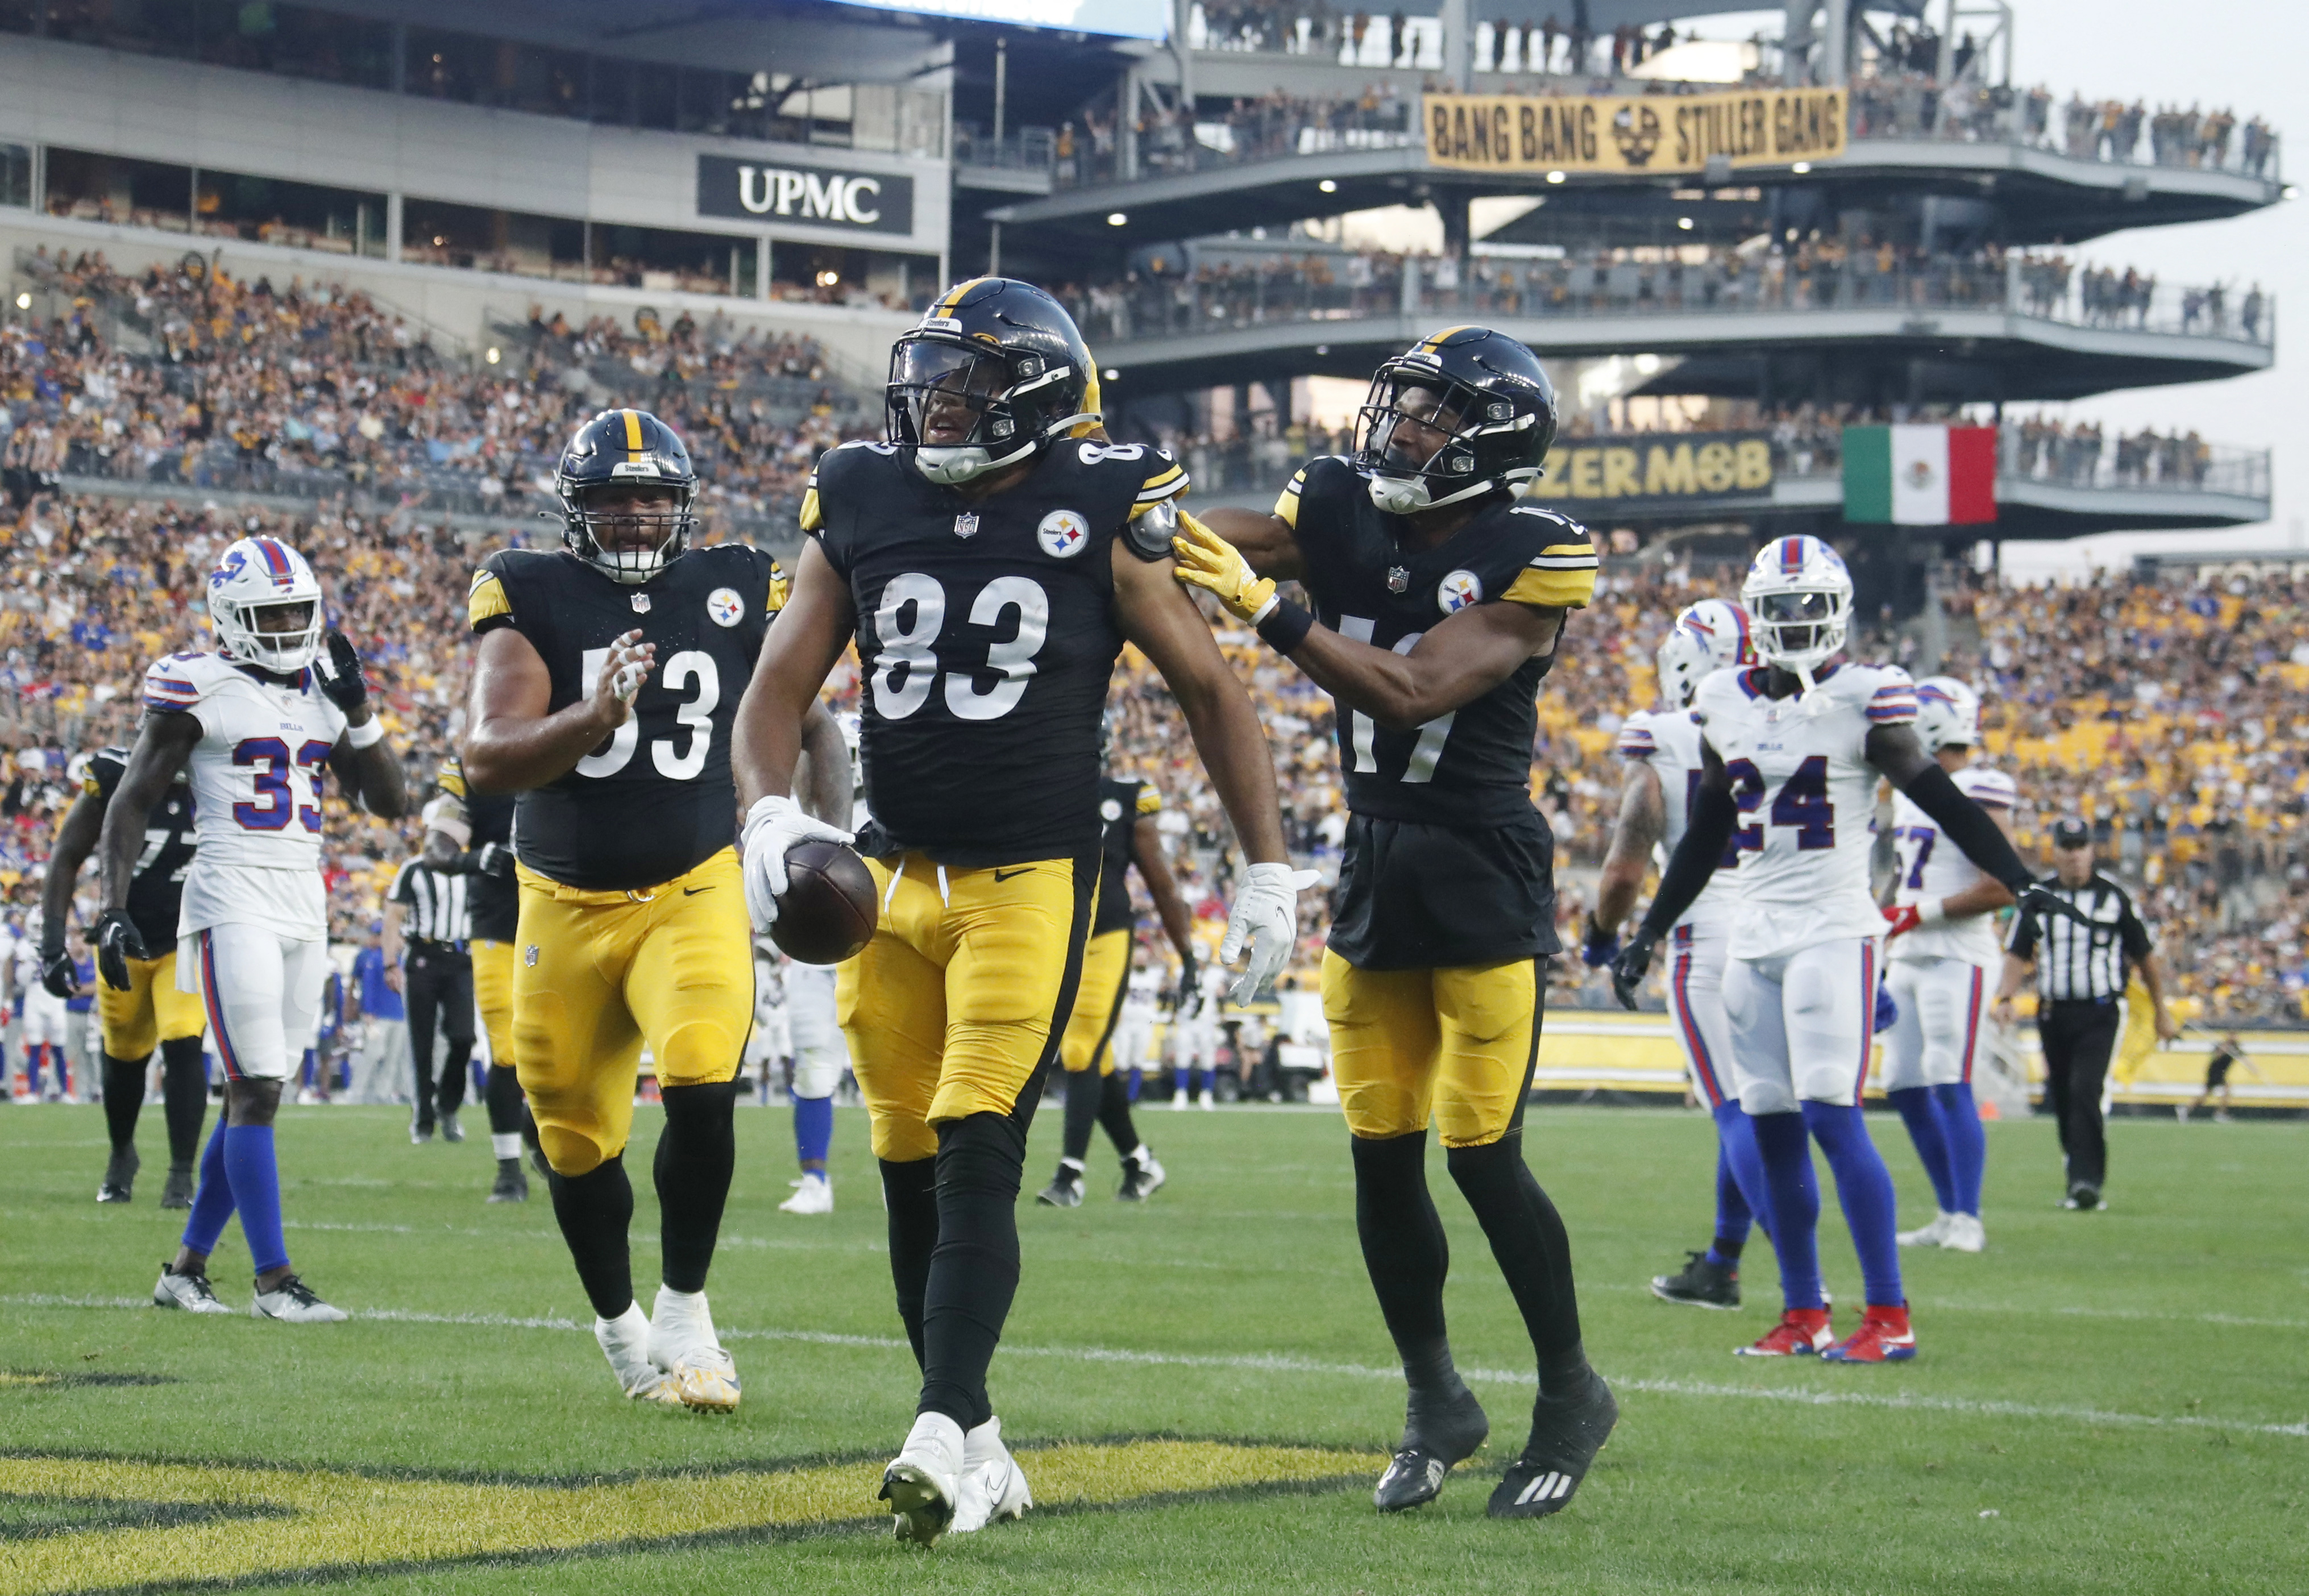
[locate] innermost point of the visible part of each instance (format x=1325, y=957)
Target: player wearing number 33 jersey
x=990, y=557
x=609, y=672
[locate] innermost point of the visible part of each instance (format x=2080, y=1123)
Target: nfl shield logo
x=965, y=525
x=1398, y=578
x=640, y=603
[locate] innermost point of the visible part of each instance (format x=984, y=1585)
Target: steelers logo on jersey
x=725, y=608
x=1062, y=534
x=1456, y=591
x=1110, y=811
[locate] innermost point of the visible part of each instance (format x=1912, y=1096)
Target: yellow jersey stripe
x=1150, y=802
x=779, y=589
x=812, y=516
x=488, y=601
x=1286, y=505
x=1552, y=590
x=633, y=431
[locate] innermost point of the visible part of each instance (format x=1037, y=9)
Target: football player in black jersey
x=991, y=558
x=151, y=1010
x=1439, y=603
x=1095, y=1094
x=472, y=833
x=607, y=675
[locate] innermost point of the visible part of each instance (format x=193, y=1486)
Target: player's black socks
x=695, y=1157
x=1115, y=1115
x=595, y=1210
x=184, y=1097
x=1527, y=1240
x=1083, y=1104
x=124, y=1096
x=974, y=1268
x=910, y=1198
x=501, y=1095
x=1408, y=1256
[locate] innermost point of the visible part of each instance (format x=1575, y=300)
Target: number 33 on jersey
x=656, y=798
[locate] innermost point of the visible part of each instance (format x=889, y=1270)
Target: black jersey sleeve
x=104, y=769
x=488, y=604
x=837, y=486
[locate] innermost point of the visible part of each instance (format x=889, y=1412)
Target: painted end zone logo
x=759, y=191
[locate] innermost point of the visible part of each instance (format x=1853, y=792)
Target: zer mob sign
x=817, y=196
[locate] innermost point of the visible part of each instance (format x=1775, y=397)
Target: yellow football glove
x=1207, y=560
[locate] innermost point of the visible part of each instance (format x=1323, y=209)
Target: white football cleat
x=813, y=1194
x=921, y=1484
x=1932, y=1235
x=293, y=1302
x=1178, y=1102
x=191, y=1292
x=992, y=1486
x=682, y=1342
x=625, y=1342
x=1965, y=1233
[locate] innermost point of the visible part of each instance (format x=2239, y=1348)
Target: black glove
x=1634, y=963
x=494, y=860
x=2038, y=898
x=1191, y=976
x=1599, y=947
x=341, y=672
x=59, y=974
x=117, y=943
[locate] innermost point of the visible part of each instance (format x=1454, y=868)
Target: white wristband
x=1933, y=911
x=367, y=734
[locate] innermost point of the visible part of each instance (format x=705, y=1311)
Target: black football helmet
x=996, y=370
x=627, y=449
x=1482, y=394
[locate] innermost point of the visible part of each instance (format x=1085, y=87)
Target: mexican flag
x=1919, y=476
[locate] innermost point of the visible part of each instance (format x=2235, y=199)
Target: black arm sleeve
x=2133, y=935
x=1714, y=813
x=1969, y=827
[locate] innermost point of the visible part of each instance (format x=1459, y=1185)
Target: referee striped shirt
x=2083, y=963
x=436, y=904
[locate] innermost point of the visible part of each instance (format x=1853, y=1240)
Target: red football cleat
x=1884, y=1336
x=1800, y=1333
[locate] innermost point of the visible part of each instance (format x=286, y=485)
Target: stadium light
x=1800, y=168
x=1555, y=176
x=1109, y=374
x=1115, y=218
x=1684, y=222
x=24, y=301
x=1327, y=186
x=826, y=280
x=493, y=356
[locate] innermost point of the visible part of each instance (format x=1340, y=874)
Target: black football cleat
x=1142, y=1177
x=451, y=1131
x=1567, y=1432
x=2083, y=1196
x=1065, y=1191
x=178, y=1192
x=512, y=1185
x=119, y=1176
x=1433, y=1440
x=1700, y=1283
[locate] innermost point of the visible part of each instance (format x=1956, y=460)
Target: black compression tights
x=974, y=1270
x=696, y=1155
x=595, y=1210
x=184, y=1095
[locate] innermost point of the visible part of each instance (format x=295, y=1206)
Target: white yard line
x=1285, y=1364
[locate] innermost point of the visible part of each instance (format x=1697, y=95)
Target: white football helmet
x=1948, y=714
x=257, y=574
x=1709, y=636
x=1799, y=598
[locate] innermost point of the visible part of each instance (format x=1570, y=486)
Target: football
x=829, y=909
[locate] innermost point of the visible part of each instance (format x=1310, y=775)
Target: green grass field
x=1201, y=1390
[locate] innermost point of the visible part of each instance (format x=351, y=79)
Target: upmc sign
x=818, y=196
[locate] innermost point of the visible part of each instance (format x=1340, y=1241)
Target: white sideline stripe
x=1283, y=1363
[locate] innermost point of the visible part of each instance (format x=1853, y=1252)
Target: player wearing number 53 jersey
x=609, y=673
x=1790, y=755
x=1440, y=603
x=991, y=558
x=256, y=725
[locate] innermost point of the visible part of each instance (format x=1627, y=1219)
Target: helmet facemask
x=964, y=411
x=270, y=634
x=1418, y=444
x=630, y=532
x=1800, y=629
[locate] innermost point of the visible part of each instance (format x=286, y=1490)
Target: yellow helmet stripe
x=954, y=295
x=1436, y=342
x=633, y=430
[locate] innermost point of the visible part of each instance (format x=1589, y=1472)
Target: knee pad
x=817, y=1073
x=981, y=1152
x=699, y=1053
x=570, y=1152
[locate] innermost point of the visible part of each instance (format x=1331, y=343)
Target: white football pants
x=1695, y=996
x=262, y=993
x=1801, y=1024
x=1943, y=1003
x=820, y=1054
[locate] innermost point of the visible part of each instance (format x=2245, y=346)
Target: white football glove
x=772, y=826
x=1265, y=916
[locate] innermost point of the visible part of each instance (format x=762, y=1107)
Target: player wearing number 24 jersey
x=1790, y=755
x=609, y=673
x=1439, y=603
x=990, y=557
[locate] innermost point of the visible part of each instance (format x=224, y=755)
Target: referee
x=425, y=909
x=2080, y=976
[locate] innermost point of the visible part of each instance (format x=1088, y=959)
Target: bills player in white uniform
x=1944, y=953
x=45, y=1021
x=1134, y=1034
x=821, y=1055
x=255, y=723
x=1661, y=750
x=1790, y=754
x=1195, y=1040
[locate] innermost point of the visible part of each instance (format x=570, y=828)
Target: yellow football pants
x=133, y=1023
x=493, y=995
x=1455, y=1045
x=599, y=973
x=957, y=1001
x=1098, y=1001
